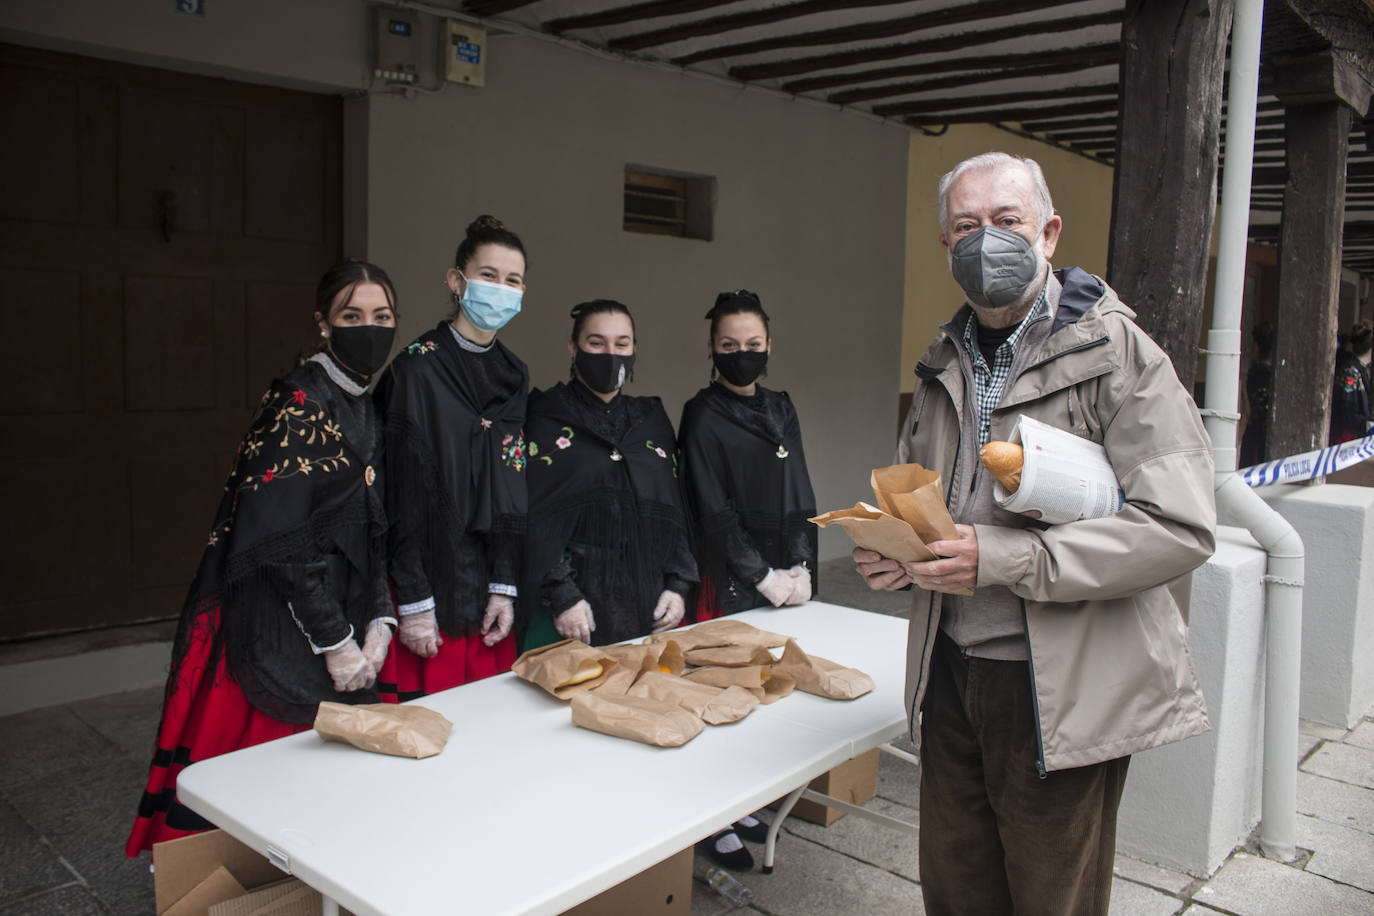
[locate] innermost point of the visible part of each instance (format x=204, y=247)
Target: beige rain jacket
x=1108, y=644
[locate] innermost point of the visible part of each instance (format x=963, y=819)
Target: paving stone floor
x=71, y=775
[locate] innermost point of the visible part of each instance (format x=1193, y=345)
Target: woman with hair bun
x=747, y=484
x=607, y=554
x=289, y=607
x=454, y=409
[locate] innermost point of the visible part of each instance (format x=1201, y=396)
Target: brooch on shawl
x=782, y=451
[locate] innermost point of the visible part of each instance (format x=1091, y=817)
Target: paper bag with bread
x=909, y=514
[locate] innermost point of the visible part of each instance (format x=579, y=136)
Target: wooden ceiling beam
x=951, y=65
x=863, y=31
x=864, y=94
x=799, y=65
x=1041, y=127
x=1012, y=115
x=632, y=13
x=926, y=106
x=495, y=7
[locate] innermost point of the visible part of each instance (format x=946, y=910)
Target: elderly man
x=1071, y=653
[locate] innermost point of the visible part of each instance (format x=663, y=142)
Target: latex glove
x=349, y=668
x=377, y=642
x=669, y=611
x=420, y=634
x=801, y=585
x=499, y=619
x=776, y=586
x=576, y=622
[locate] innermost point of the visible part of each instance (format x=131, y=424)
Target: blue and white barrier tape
x=1310, y=465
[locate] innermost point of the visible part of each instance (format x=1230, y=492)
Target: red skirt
x=461, y=660
x=708, y=602
x=205, y=716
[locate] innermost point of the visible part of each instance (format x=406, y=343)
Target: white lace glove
x=576, y=622
x=420, y=634
x=801, y=585
x=500, y=616
x=377, y=643
x=349, y=668
x=776, y=586
x=669, y=611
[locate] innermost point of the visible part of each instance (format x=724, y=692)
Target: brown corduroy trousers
x=994, y=836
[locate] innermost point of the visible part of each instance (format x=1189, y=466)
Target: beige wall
x=810, y=212
x=1082, y=192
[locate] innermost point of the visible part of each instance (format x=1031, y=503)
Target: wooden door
x=160, y=239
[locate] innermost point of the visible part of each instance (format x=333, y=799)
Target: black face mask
x=361, y=349
x=741, y=367
x=603, y=372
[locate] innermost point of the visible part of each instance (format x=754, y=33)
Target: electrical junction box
x=465, y=53
x=397, y=46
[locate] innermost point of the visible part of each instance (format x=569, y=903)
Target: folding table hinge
x=279, y=859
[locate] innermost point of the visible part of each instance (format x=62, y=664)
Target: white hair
x=1044, y=206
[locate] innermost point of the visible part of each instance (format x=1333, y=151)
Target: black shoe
x=738, y=860
x=755, y=834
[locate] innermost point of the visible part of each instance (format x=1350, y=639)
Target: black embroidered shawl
x=606, y=516
x=748, y=490
x=455, y=459
x=297, y=550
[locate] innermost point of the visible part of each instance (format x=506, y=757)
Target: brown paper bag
x=715, y=706
x=384, y=728
x=564, y=668
x=723, y=631
x=631, y=661
x=915, y=495
x=636, y=718
x=873, y=529
x=821, y=676
x=763, y=681
x=730, y=656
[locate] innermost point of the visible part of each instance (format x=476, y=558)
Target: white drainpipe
x=1235, y=501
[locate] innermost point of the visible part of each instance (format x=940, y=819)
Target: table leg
x=328, y=906
x=783, y=810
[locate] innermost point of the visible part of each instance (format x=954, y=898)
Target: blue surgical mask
x=490, y=306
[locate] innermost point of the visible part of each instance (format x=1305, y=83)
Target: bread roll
x=582, y=677
x=1003, y=459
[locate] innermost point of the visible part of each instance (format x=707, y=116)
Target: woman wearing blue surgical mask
x=454, y=408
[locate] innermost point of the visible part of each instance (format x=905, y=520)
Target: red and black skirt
x=205, y=714
x=461, y=660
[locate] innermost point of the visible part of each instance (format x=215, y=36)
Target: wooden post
x=1317, y=140
x=1173, y=56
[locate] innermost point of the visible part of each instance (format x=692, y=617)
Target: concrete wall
x=1336, y=524
x=1187, y=805
x=1082, y=191
x=810, y=210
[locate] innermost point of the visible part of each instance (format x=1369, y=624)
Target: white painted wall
x=810, y=212
x=1187, y=805
x=1336, y=523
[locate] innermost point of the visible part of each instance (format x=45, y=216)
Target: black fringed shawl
x=297, y=551
x=606, y=516
x=455, y=459
x=747, y=489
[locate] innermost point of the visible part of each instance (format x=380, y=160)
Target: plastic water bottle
x=728, y=886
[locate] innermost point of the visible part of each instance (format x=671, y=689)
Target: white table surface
x=524, y=812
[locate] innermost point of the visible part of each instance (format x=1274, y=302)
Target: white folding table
x=524, y=812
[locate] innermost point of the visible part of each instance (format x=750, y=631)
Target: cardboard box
x=854, y=781
x=213, y=874
x=664, y=889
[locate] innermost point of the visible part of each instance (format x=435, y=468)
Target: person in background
x=748, y=490
x=1350, y=390
x=1259, y=381
x=608, y=556
x=289, y=607
x=454, y=409
x=1041, y=657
